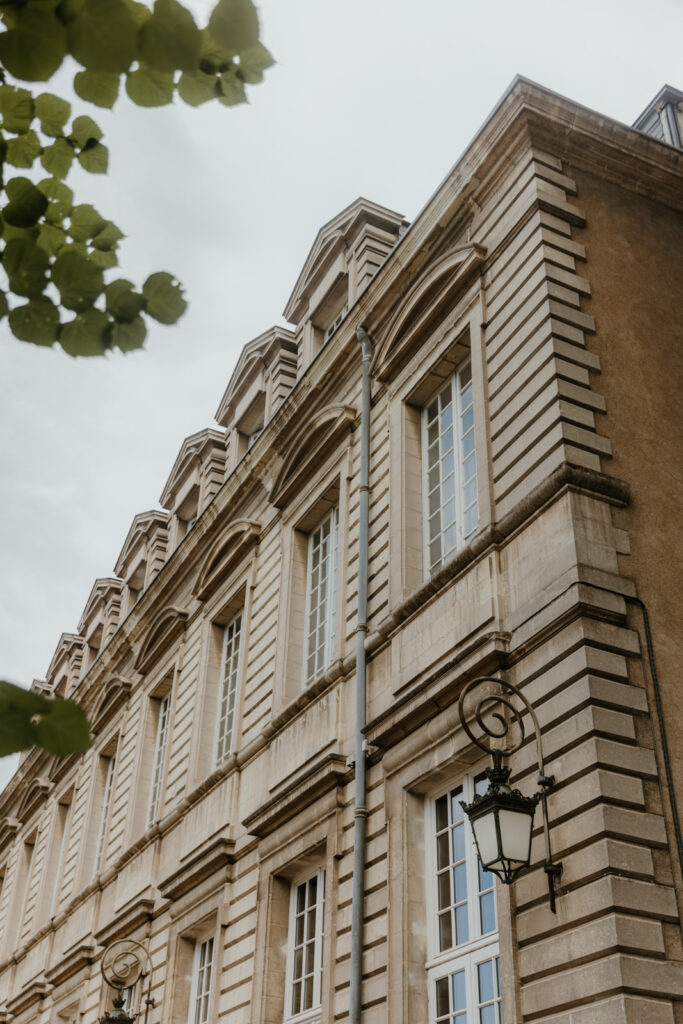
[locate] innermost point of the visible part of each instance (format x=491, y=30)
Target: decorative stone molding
x=36, y=990
x=167, y=627
x=114, y=696
x=76, y=959
x=294, y=796
x=8, y=829
x=199, y=865
x=425, y=304
x=224, y=555
x=128, y=920
x=36, y=791
x=306, y=454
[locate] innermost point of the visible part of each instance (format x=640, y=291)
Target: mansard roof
x=341, y=228
x=100, y=590
x=191, y=450
x=254, y=354
x=142, y=525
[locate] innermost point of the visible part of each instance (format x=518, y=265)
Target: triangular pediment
x=255, y=354
x=144, y=524
x=69, y=644
x=102, y=591
x=191, y=452
x=425, y=304
x=335, y=233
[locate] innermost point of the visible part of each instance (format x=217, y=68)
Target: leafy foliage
x=27, y=719
x=54, y=251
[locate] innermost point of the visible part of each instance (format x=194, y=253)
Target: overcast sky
x=369, y=97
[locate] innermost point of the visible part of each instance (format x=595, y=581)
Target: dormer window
x=337, y=321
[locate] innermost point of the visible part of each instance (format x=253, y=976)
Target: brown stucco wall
x=634, y=250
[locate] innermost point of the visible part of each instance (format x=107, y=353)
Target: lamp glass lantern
x=502, y=821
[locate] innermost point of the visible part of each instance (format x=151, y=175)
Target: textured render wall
x=635, y=249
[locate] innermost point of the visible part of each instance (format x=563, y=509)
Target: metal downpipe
x=360, y=810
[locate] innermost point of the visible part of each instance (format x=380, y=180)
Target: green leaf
x=57, y=158
x=197, y=87
x=26, y=266
x=108, y=238
x=231, y=90
x=4, y=308
x=98, y=87
x=22, y=151
x=86, y=335
x=16, y=107
x=80, y=248
x=123, y=302
x=36, y=47
x=253, y=62
x=103, y=259
x=37, y=321
x=214, y=58
x=103, y=36
x=9, y=232
x=27, y=204
x=170, y=39
x=53, y=112
x=51, y=238
x=150, y=88
x=234, y=24
x=78, y=280
x=129, y=336
x=85, y=132
x=28, y=719
x=164, y=297
x=85, y=222
x=61, y=199
x=94, y=159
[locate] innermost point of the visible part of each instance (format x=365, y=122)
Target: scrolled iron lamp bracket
x=124, y=962
x=496, y=725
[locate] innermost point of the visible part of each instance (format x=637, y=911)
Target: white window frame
x=159, y=762
x=202, y=982
x=312, y=1014
x=463, y=411
x=105, y=811
x=228, y=686
x=330, y=616
x=128, y=995
x=479, y=947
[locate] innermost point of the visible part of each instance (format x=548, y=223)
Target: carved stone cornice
x=133, y=916
x=292, y=797
x=76, y=959
x=214, y=856
x=32, y=993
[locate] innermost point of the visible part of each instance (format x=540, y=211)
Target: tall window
x=450, y=469
x=201, y=982
x=305, y=950
x=321, y=588
x=159, y=759
x=464, y=966
x=62, y=841
x=229, y=677
x=108, y=767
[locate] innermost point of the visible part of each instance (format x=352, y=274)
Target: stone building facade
x=525, y=440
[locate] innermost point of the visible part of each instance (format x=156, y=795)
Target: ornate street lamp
x=502, y=818
x=124, y=962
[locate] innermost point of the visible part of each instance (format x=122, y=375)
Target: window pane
x=458, y=842
x=485, y=972
x=459, y=991
x=444, y=890
x=442, y=851
x=460, y=882
x=442, y=997
x=445, y=931
x=488, y=913
x=442, y=813
x=462, y=928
